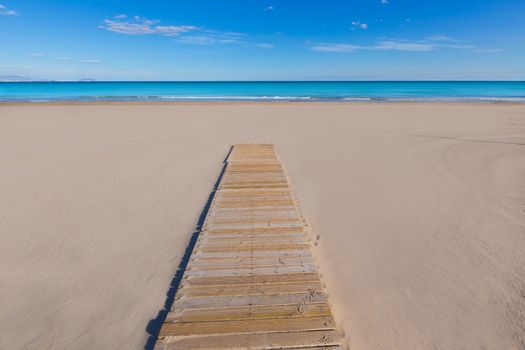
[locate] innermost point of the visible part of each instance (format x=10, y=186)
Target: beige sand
x=420, y=210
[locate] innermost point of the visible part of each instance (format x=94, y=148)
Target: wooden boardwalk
x=251, y=282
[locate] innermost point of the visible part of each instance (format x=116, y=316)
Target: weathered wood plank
x=250, y=271
x=227, y=301
x=218, y=263
x=256, y=279
x=254, y=254
x=254, y=225
x=255, y=230
x=249, y=326
x=251, y=312
x=261, y=236
x=214, y=240
x=238, y=267
x=240, y=212
x=254, y=341
x=251, y=289
x=251, y=247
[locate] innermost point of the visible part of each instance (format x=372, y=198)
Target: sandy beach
x=418, y=211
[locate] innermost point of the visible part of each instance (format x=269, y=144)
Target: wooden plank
x=254, y=341
x=253, y=225
x=228, y=301
x=256, y=279
x=249, y=326
x=250, y=211
x=254, y=254
x=230, y=280
x=269, y=185
x=218, y=263
x=251, y=247
x=277, y=203
x=246, y=194
x=268, y=236
x=254, y=215
x=236, y=267
x=221, y=242
x=250, y=271
x=251, y=289
x=251, y=312
x=255, y=230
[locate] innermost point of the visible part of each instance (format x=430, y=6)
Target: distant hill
x=18, y=78
x=14, y=78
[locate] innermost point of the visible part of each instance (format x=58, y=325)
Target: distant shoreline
x=266, y=91
x=260, y=81
x=268, y=103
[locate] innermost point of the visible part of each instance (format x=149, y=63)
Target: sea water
x=360, y=91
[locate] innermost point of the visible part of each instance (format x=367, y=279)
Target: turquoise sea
x=265, y=91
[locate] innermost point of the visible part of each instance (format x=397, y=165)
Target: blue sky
x=263, y=40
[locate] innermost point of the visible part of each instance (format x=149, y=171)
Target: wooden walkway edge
x=251, y=282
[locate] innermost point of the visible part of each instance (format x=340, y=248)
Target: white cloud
x=264, y=45
x=450, y=42
x=458, y=46
x=185, y=34
x=336, y=48
x=385, y=45
x=403, y=46
x=64, y=58
x=210, y=37
x=90, y=61
x=142, y=26
x=203, y=40
x=439, y=37
x=359, y=25
x=4, y=11
x=480, y=50
x=36, y=54
x=454, y=43
x=269, y=8
x=429, y=44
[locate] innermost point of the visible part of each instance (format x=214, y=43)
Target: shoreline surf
x=372, y=91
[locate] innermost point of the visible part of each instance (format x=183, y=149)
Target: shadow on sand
x=154, y=325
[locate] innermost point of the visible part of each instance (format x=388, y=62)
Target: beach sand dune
x=418, y=210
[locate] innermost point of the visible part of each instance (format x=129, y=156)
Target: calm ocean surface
x=263, y=91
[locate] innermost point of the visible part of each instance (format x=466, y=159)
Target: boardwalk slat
x=251, y=247
x=252, y=289
x=256, y=254
x=255, y=341
x=257, y=279
x=254, y=230
x=250, y=312
x=227, y=301
x=250, y=271
x=249, y=326
x=250, y=261
x=252, y=239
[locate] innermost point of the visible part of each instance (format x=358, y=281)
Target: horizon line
x=268, y=81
